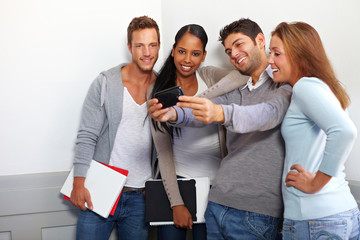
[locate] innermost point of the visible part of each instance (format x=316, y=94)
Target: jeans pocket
x=321, y=230
x=262, y=225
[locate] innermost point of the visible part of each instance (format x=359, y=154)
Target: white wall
x=50, y=51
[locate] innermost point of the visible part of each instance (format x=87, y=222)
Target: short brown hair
x=141, y=23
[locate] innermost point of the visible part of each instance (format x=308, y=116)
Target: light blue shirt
x=319, y=135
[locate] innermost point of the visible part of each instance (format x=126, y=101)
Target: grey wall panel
x=31, y=208
x=32, y=193
x=58, y=233
x=5, y=235
x=28, y=226
x=31, y=202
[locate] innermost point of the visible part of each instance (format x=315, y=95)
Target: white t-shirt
x=197, y=150
x=132, y=147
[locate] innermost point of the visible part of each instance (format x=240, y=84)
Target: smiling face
x=280, y=63
x=188, y=54
x=243, y=53
x=144, y=48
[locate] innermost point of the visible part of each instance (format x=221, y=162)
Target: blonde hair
x=306, y=52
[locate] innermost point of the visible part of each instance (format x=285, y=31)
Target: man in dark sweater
x=245, y=200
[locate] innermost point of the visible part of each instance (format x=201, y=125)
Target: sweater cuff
x=180, y=116
x=176, y=202
x=228, y=109
x=80, y=170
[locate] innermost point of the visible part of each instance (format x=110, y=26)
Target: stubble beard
x=254, y=63
x=146, y=69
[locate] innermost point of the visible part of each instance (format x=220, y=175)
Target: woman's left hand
x=160, y=114
x=305, y=181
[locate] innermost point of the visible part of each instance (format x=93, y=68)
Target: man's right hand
x=160, y=114
x=182, y=217
x=80, y=194
x=204, y=110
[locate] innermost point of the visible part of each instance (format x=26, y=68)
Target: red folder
x=120, y=170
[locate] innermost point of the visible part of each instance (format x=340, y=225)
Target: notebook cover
x=104, y=185
x=120, y=170
x=157, y=205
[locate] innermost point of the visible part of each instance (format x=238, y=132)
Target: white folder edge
x=104, y=185
x=202, y=186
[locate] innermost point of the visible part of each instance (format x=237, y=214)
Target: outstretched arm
x=203, y=109
x=222, y=81
x=258, y=117
x=236, y=118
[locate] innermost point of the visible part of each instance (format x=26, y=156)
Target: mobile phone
x=170, y=96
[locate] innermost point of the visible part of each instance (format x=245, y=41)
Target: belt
x=131, y=189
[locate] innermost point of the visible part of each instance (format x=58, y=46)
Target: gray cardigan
x=163, y=142
x=100, y=119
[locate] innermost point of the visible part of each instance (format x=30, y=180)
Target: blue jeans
x=342, y=226
x=129, y=218
x=174, y=233
x=228, y=223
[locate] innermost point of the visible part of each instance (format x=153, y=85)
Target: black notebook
x=157, y=205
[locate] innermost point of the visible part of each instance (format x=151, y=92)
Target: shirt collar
x=263, y=77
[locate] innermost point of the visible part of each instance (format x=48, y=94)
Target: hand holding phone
x=170, y=96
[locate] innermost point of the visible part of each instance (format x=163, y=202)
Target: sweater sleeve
x=212, y=74
x=92, y=120
x=163, y=144
x=185, y=118
x=258, y=117
x=319, y=104
x=165, y=155
x=244, y=119
x=222, y=81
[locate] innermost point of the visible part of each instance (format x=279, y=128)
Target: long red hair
x=306, y=52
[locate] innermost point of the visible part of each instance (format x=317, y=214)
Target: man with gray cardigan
x=245, y=200
x=114, y=130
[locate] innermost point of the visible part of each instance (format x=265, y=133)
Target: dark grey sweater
x=249, y=177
